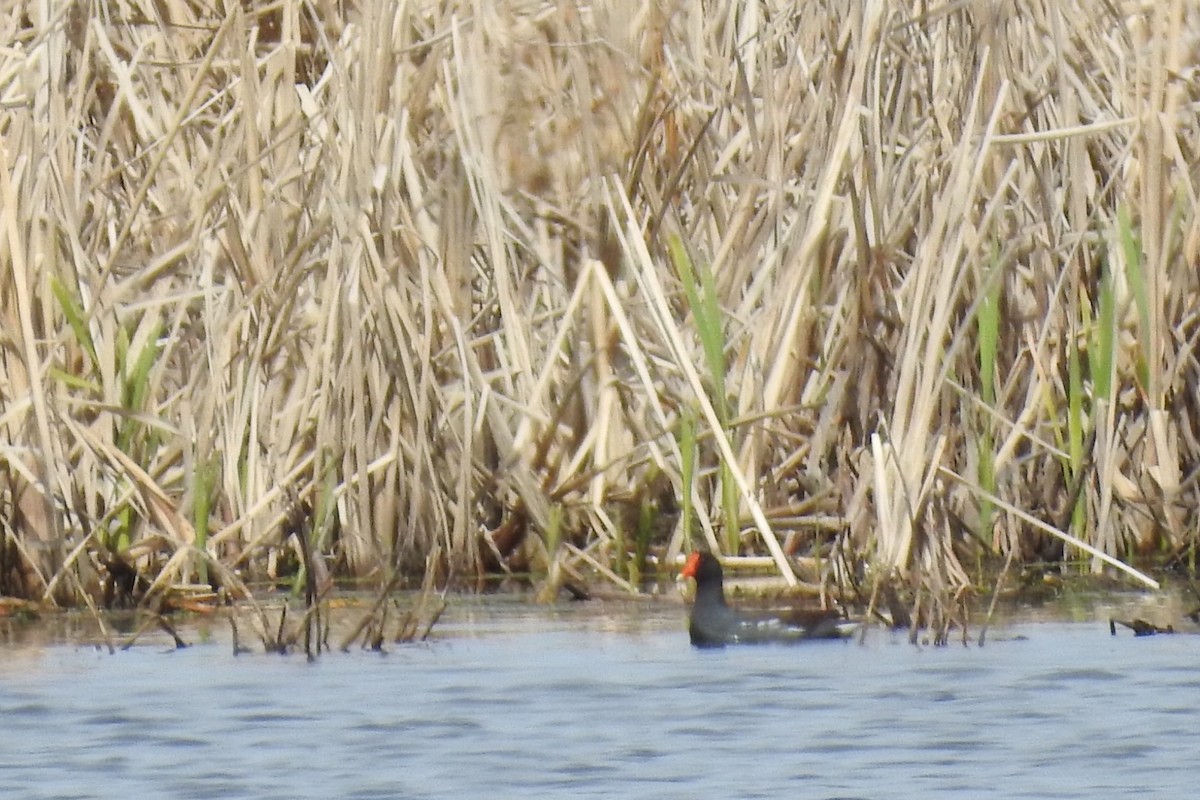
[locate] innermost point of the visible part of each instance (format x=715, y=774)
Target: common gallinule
x=714, y=624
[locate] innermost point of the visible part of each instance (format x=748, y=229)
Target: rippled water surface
x=518, y=702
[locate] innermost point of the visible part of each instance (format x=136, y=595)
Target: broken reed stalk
x=369, y=252
x=416, y=623
x=299, y=527
x=428, y=609
x=374, y=614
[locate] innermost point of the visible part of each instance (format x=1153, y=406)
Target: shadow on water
x=602, y=700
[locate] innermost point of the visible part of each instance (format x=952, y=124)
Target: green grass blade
x=76, y=318
x=1075, y=423
x=1104, y=342
x=687, y=470
x=988, y=321
x=701, y=293
x=204, y=480
x=137, y=388
x=1135, y=276
x=700, y=290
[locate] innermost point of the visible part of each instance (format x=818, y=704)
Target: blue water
x=563, y=703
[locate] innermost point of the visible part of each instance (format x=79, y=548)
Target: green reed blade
x=687, y=469
x=76, y=318
x=1135, y=276
x=988, y=321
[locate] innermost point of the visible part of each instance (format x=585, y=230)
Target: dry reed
x=408, y=263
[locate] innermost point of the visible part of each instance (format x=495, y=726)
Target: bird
x=713, y=623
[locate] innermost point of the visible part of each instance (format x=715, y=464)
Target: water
x=571, y=702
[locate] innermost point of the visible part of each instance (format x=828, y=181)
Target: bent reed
x=874, y=291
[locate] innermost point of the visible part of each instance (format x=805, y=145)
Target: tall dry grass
x=409, y=264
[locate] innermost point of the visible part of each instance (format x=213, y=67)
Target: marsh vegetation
x=876, y=292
